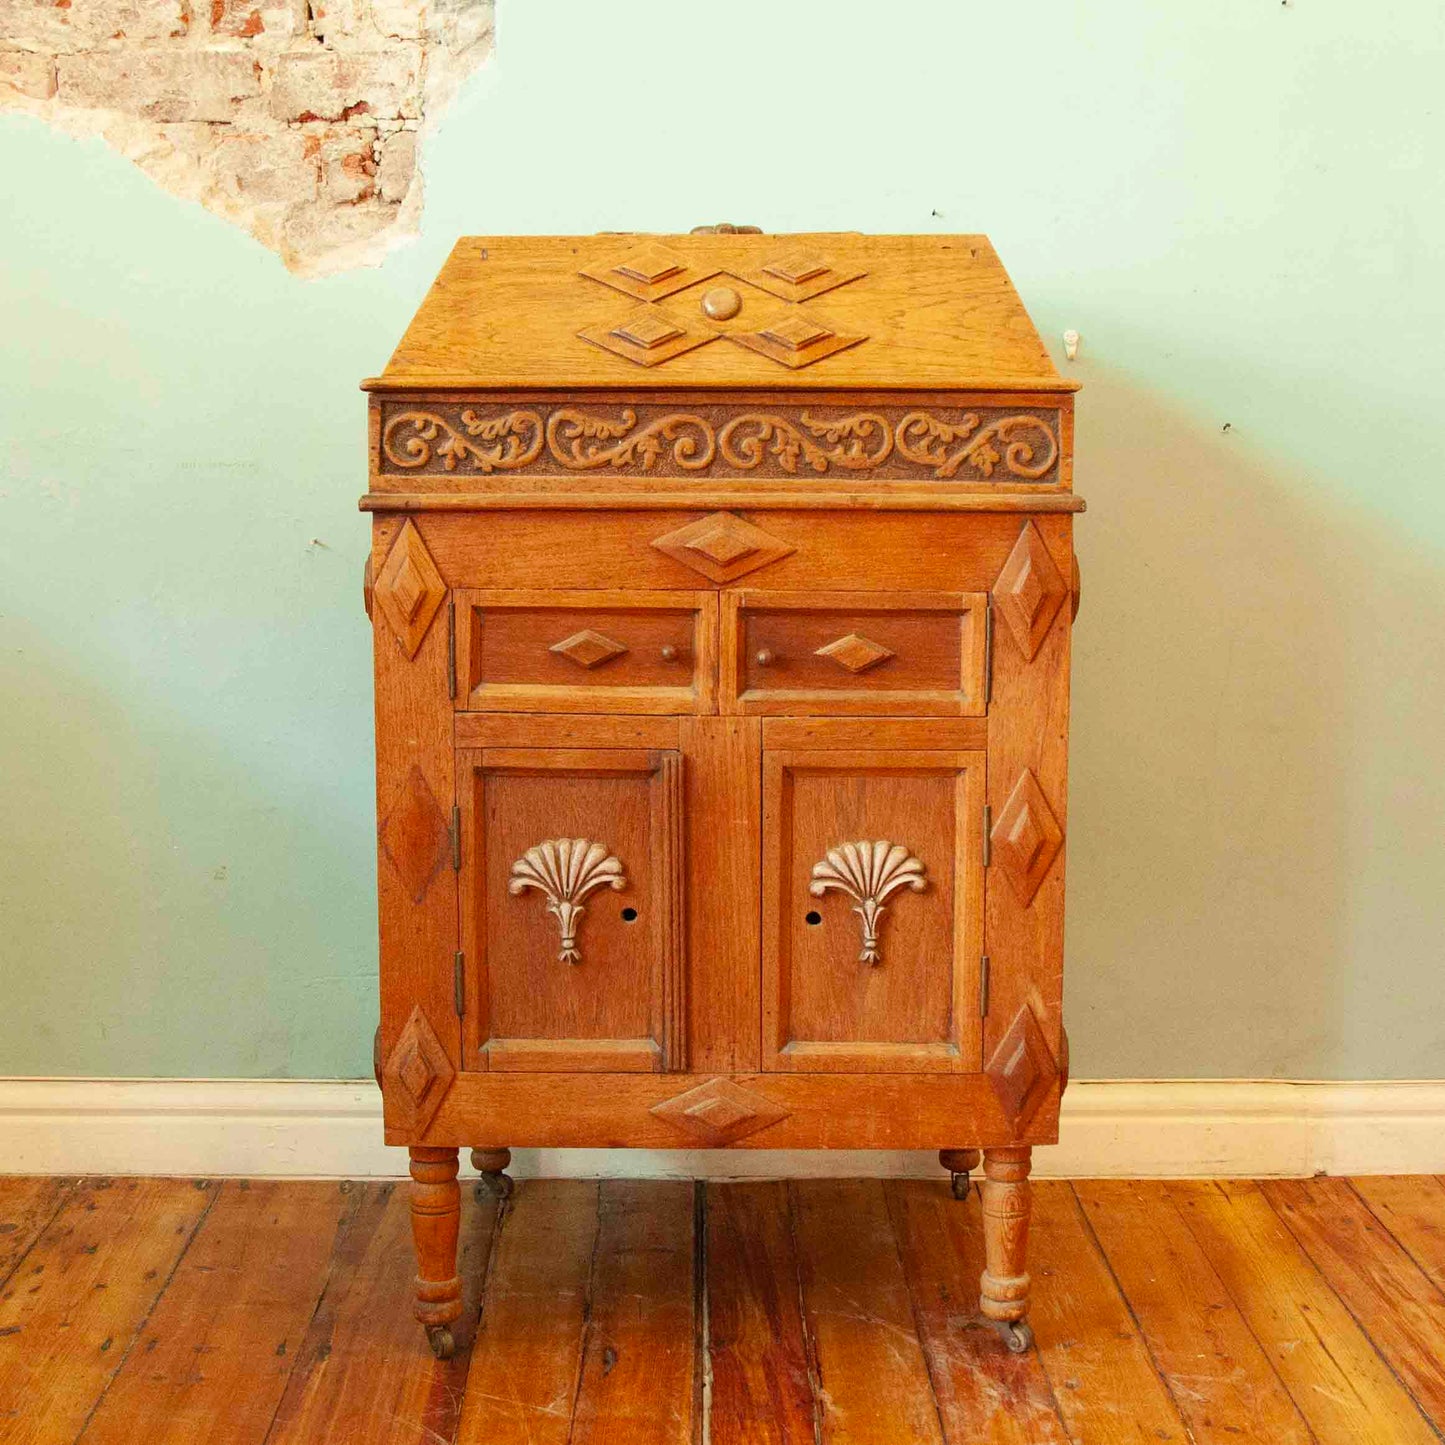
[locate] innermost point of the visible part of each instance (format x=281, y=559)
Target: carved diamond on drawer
x=647, y=336
x=855, y=653
x=414, y=834
x=795, y=340
x=409, y=589
x=720, y=1111
x=1022, y=1069
x=647, y=272
x=416, y=1075
x=723, y=546
x=588, y=648
x=1029, y=590
x=1026, y=837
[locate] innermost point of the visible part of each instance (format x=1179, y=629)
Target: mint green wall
x=1237, y=204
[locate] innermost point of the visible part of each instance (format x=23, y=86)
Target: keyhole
x=814, y=918
x=629, y=915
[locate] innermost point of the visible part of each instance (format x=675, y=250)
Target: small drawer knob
x=766, y=657
x=722, y=303
x=669, y=652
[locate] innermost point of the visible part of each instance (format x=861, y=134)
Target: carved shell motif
x=566, y=870
x=869, y=872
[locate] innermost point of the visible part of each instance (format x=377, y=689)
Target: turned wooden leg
x=436, y=1201
x=960, y=1163
x=1004, y=1287
x=491, y=1163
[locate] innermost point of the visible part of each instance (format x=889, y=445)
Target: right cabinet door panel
x=872, y=907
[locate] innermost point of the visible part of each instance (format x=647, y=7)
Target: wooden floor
x=146, y=1312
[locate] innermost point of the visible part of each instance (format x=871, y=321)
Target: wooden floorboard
x=155, y=1312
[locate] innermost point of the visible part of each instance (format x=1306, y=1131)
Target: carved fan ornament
x=870, y=873
x=566, y=870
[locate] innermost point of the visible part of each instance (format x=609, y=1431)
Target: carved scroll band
x=925, y=439
x=582, y=443
x=517, y=438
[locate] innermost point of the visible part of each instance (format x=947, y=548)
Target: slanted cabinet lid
x=811, y=312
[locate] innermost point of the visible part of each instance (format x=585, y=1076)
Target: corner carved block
x=720, y=1112
x=1022, y=1070
x=414, y=834
x=723, y=547
x=1026, y=837
x=416, y=1075
x=409, y=589
x=588, y=649
x=1029, y=591
x=856, y=654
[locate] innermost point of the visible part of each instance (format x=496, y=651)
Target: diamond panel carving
x=798, y=275
x=723, y=547
x=795, y=340
x=647, y=272
x=1026, y=837
x=797, y=267
x=647, y=336
x=416, y=1075
x=795, y=331
x=414, y=834
x=719, y=1112
x=588, y=648
x=855, y=653
x=409, y=589
x=1029, y=591
x=1022, y=1069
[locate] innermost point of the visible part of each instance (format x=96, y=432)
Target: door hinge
x=451, y=649
x=454, y=831
x=987, y=650
x=459, y=984
x=983, y=969
x=987, y=835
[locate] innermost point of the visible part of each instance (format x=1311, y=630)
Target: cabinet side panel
x=1028, y=728
x=723, y=827
x=416, y=883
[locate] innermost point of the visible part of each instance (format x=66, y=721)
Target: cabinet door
x=571, y=901
x=872, y=907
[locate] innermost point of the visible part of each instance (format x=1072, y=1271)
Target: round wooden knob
x=669, y=652
x=722, y=303
x=766, y=657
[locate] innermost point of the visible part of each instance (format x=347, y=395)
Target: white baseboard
x=1125, y=1128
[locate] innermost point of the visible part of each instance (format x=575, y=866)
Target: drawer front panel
x=535, y=651
x=918, y=652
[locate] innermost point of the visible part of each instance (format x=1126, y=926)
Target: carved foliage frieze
x=982, y=444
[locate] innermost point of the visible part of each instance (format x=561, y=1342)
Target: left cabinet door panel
x=571, y=909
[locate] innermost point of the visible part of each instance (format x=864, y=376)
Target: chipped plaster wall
x=298, y=120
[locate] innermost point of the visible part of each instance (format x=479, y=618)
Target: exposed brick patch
x=298, y=121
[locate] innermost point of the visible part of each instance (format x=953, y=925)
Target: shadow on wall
x=1255, y=861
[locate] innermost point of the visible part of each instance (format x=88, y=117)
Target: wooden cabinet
x=720, y=586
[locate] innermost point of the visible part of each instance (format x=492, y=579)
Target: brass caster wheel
x=499, y=1185
x=960, y=1185
x=439, y=1337
x=1017, y=1335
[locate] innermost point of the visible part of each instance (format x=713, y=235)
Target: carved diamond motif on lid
x=409, y=589
x=1022, y=1069
x=647, y=272
x=416, y=1075
x=723, y=547
x=588, y=648
x=1029, y=590
x=797, y=267
x=795, y=339
x=719, y=1112
x=647, y=336
x=647, y=329
x=1026, y=837
x=414, y=834
x=855, y=653
x=799, y=275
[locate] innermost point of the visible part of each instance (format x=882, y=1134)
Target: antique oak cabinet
x=721, y=588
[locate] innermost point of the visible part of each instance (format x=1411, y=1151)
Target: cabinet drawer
x=853, y=652
x=553, y=651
